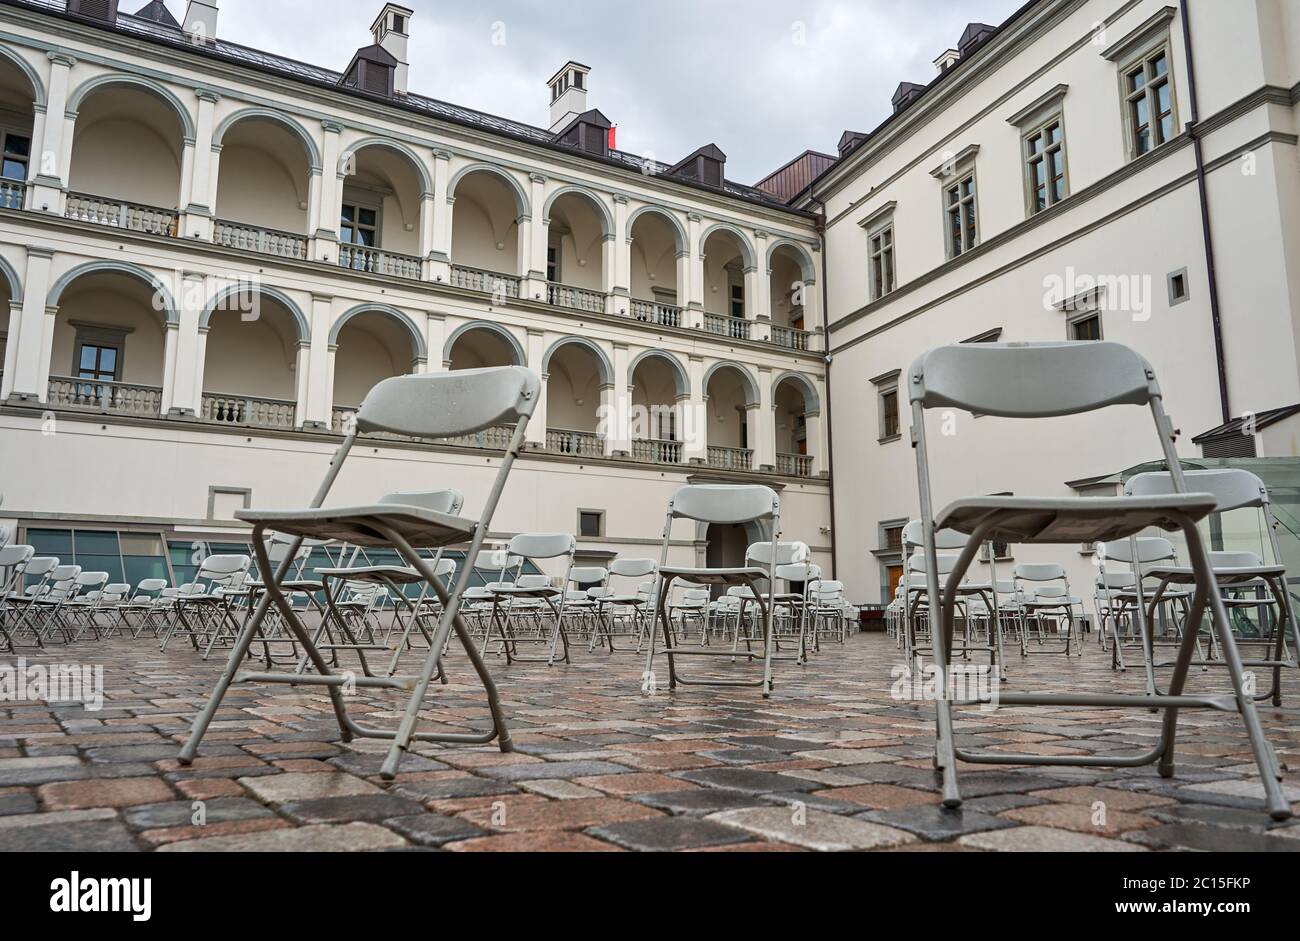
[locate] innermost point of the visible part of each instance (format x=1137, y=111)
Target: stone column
x=325, y=224
x=619, y=278
x=183, y=374
x=27, y=375
x=536, y=350
x=440, y=252
x=694, y=430
x=764, y=444
x=538, y=236
x=49, y=166
x=694, y=292
x=316, y=410
x=199, y=201
x=619, y=443
x=436, y=338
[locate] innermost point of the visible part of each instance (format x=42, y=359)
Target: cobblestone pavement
x=831, y=762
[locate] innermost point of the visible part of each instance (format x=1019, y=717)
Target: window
x=591, y=523
x=1179, y=291
x=15, y=151
x=665, y=422
x=1000, y=552
x=959, y=203
x=399, y=23
x=887, y=396
x=882, y=262
x=1045, y=165
x=359, y=226
x=893, y=537
x=553, y=264
x=1149, y=102
x=99, y=363
x=738, y=300
x=1086, y=327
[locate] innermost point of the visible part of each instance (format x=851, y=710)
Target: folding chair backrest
x=588, y=576
x=1039, y=572
x=947, y=563
x=1150, y=549
x=786, y=553
x=1235, y=560
x=724, y=503
x=633, y=568
x=151, y=586
x=446, y=568
x=799, y=572
x=14, y=556
x=1232, y=487
x=1116, y=580
x=216, y=567
x=913, y=535
x=41, y=566
x=449, y=502
x=1031, y=380
x=91, y=581
x=448, y=404
x=534, y=581
x=115, y=592
x=543, y=545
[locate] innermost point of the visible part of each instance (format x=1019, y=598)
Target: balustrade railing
x=577, y=443
x=251, y=238
x=119, y=398
x=247, y=410
x=13, y=194
x=794, y=465
x=651, y=312
x=377, y=261
x=791, y=338
x=564, y=295
x=657, y=451
x=735, y=328
x=117, y=214
x=731, y=458
x=486, y=282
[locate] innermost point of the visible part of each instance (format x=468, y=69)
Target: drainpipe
x=1193, y=130
x=830, y=424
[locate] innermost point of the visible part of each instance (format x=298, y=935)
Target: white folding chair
x=532, y=598
x=427, y=406
x=1042, y=380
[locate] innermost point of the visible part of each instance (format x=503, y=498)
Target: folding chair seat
x=615, y=606
x=14, y=561
x=428, y=406
x=722, y=504
x=1042, y=380
x=142, y=605
x=1047, y=596
x=47, y=601
x=206, y=607
x=1233, y=489
x=89, y=597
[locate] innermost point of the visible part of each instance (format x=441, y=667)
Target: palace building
x=210, y=253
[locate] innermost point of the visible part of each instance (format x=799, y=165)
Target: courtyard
x=832, y=762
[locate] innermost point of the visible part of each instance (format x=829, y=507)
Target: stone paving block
x=558, y=815
x=367, y=807
x=666, y=834
x=934, y=822
x=153, y=839
x=819, y=831
x=553, y=769
x=1186, y=836
x=879, y=796
x=747, y=781
x=182, y=813
x=1081, y=818
x=562, y=790
x=428, y=829
x=452, y=788
x=282, y=788
x=1045, y=840
x=698, y=802
x=128, y=792
x=17, y=801
x=29, y=771
x=623, y=785
x=370, y=764
x=538, y=842
x=342, y=838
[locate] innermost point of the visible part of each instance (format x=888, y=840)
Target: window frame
x=888, y=385
x=6, y=155
x=1028, y=160
x=1141, y=58
x=101, y=337
x=1075, y=319
x=963, y=171
x=357, y=201
x=600, y=523
x=882, y=261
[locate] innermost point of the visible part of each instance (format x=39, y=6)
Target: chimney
x=201, y=20
x=568, y=94
x=907, y=93
x=946, y=61
x=102, y=10
x=392, y=34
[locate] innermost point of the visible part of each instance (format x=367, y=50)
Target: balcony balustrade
x=734, y=328
x=115, y=213
x=794, y=465
x=247, y=410
x=564, y=295
x=664, y=315
x=13, y=194
x=117, y=398
x=250, y=238
x=738, y=459
x=791, y=338
x=485, y=282
x=376, y=261
x=657, y=451
x=577, y=443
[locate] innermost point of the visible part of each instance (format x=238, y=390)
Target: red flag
x=613, y=138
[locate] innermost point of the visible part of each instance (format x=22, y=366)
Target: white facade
x=1132, y=223
x=256, y=250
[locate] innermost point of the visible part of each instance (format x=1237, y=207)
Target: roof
x=1237, y=426
x=157, y=11
x=792, y=178
x=564, y=68
x=165, y=34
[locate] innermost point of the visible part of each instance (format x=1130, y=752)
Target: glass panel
x=112, y=564
x=1163, y=100
x=14, y=170
x=52, y=542
x=1160, y=65
x=1166, y=127
x=108, y=360
x=1040, y=198
x=1141, y=112
x=365, y=237
x=970, y=225
x=1054, y=133
x=89, y=356
x=1040, y=172
x=349, y=214
x=18, y=146
x=1035, y=144
x=1137, y=79
x=367, y=217
x=93, y=543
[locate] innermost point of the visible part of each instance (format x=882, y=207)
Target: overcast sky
x=763, y=79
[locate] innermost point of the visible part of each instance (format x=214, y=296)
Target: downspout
x=1194, y=132
x=829, y=360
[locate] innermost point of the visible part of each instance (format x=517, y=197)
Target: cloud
x=763, y=79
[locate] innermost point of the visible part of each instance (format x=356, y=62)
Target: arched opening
x=371, y=346
x=575, y=250
x=788, y=286
x=485, y=231
x=17, y=115
x=250, y=361
x=793, y=444
x=725, y=305
x=127, y=154
x=731, y=416
x=263, y=183
x=656, y=247
x=109, y=346
x=481, y=346
x=658, y=385
x=6, y=299
x=379, y=213
x=575, y=379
